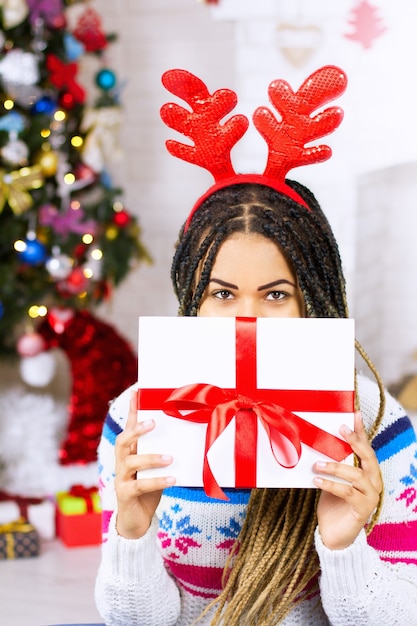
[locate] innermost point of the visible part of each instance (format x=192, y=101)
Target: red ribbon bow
x=79, y=491
x=216, y=407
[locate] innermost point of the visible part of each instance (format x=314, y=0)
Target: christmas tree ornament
x=19, y=75
x=33, y=251
x=45, y=105
x=74, y=284
x=38, y=370
x=101, y=144
x=49, y=11
x=1, y=309
x=84, y=176
x=59, y=265
x=67, y=101
x=62, y=75
x=121, y=218
x=73, y=48
x=14, y=12
x=14, y=187
x=12, y=122
x=15, y=152
x=106, y=79
x=89, y=31
x=111, y=233
x=47, y=159
x=30, y=344
x=69, y=220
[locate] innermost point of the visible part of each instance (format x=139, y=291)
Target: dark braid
x=273, y=563
x=304, y=237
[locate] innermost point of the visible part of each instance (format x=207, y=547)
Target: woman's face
x=251, y=278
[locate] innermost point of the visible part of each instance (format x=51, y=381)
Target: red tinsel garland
x=102, y=366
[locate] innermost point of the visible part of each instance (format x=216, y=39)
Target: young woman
x=340, y=553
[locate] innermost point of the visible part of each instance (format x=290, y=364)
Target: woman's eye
x=222, y=294
x=276, y=295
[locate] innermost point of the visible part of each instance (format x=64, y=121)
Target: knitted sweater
x=168, y=576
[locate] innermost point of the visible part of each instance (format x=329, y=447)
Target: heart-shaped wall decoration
x=298, y=42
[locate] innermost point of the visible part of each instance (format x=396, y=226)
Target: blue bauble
x=44, y=105
x=1, y=309
x=73, y=48
x=34, y=253
x=106, y=79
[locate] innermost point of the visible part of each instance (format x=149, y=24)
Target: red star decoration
x=62, y=75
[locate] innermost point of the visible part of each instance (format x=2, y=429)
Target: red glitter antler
x=212, y=141
x=287, y=138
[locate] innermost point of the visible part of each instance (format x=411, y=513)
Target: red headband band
x=286, y=137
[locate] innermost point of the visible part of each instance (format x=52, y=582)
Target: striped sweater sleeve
x=130, y=570
x=374, y=580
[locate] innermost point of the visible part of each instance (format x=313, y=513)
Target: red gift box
x=78, y=517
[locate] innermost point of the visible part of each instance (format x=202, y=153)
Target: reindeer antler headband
x=286, y=137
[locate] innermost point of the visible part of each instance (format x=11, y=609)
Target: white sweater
x=169, y=576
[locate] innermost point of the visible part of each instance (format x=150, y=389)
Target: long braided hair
x=273, y=564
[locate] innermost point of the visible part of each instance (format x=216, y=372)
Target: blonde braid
x=375, y=425
x=274, y=562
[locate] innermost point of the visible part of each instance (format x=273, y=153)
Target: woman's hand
x=137, y=498
x=344, y=509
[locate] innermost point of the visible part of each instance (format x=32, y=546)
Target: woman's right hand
x=137, y=498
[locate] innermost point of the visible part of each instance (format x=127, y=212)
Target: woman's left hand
x=344, y=509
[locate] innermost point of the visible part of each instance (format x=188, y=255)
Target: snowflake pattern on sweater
x=183, y=554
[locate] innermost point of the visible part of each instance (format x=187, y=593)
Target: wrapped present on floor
x=18, y=540
x=245, y=402
x=40, y=512
x=78, y=516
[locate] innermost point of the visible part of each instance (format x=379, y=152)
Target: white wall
x=153, y=36
x=244, y=44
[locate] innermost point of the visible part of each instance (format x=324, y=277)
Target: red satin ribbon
x=216, y=407
x=79, y=491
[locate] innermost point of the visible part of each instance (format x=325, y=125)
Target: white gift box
x=294, y=378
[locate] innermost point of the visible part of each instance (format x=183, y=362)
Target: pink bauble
x=30, y=344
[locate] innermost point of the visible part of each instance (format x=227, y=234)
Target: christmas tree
x=66, y=238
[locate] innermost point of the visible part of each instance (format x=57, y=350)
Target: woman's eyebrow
x=223, y=283
x=281, y=281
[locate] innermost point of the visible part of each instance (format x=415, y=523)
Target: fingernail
x=346, y=430
x=318, y=481
x=321, y=464
x=146, y=423
x=166, y=458
x=170, y=480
